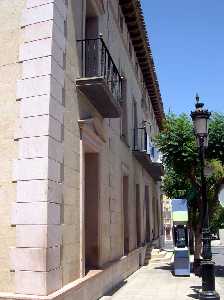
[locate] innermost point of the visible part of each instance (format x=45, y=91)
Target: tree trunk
x=191, y=240
x=197, y=249
x=198, y=242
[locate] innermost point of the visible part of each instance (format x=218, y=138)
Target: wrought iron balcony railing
x=140, y=140
x=142, y=152
x=98, y=68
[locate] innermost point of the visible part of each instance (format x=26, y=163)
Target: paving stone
x=156, y=281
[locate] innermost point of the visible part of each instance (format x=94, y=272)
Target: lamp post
x=200, y=119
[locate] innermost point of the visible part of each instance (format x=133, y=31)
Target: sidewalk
x=155, y=281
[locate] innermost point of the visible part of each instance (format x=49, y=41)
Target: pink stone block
x=38, y=283
x=35, y=49
x=35, y=259
x=41, y=48
x=37, y=168
x=38, y=31
x=59, y=37
x=33, y=3
x=33, y=87
x=40, y=236
x=39, y=126
x=36, y=67
x=43, y=13
x=45, y=30
x=43, y=66
x=45, y=191
x=41, y=105
x=59, y=3
x=38, y=14
x=57, y=72
x=38, y=86
x=36, y=213
x=39, y=147
x=33, y=147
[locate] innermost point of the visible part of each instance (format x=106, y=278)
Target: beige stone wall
x=61, y=116
x=10, y=71
x=35, y=257
x=70, y=257
x=116, y=158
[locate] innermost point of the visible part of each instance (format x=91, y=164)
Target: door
x=91, y=211
x=125, y=215
x=138, y=216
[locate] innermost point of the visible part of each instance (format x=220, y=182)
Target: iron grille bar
x=140, y=139
x=96, y=61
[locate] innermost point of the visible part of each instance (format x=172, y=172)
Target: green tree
x=217, y=221
x=216, y=138
x=177, y=144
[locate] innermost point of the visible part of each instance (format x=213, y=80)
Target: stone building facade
x=80, y=104
x=167, y=218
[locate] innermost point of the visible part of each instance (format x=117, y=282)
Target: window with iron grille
x=124, y=112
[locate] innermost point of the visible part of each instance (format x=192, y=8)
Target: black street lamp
x=200, y=119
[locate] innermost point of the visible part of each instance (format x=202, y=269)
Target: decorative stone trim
x=91, y=134
x=37, y=171
x=92, y=137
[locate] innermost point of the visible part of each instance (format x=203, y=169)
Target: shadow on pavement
x=167, y=267
x=195, y=290
x=116, y=288
x=219, y=271
x=193, y=296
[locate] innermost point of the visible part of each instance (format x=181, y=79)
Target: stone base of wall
x=142, y=253
x=95, y=284
x=156, y=243
x=221, y=236
x=162, y=241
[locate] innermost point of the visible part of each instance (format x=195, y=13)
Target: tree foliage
x=216, y=137
x=175, y=185
x=177, y=144
x=217, y=221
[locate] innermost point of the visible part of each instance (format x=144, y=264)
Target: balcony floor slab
x=97, y=91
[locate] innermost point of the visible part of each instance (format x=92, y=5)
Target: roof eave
x=136, y=25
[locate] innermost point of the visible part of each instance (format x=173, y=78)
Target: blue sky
x=187, y=41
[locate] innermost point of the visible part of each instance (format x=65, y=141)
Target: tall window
x=124, y=112
x=138, y=215
x=135, y=115
x=130, y=48
x=144, y=100
x=135, y=125
x=120, y=19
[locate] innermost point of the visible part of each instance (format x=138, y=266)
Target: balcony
x=141, y=151
x=100, y=80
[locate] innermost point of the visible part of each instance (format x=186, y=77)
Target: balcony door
x=91, y=43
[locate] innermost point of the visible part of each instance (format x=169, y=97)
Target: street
x=156, y=281
x=218, y=256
